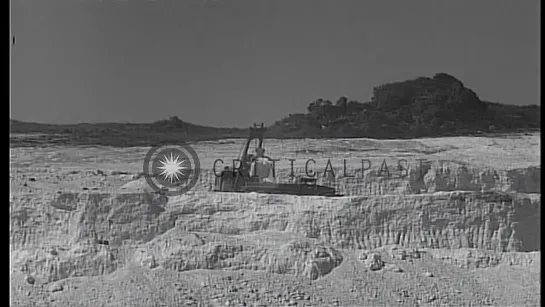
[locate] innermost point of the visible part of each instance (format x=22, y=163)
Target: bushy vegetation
x=423, y=107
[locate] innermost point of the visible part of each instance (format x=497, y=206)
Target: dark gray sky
x=232, y=63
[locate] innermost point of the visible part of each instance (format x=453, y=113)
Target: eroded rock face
x=474, y=258
x=114, y=219
x=79, y=260
x=395, y=252
x=440, y=220
x=417, y=177
x=181, y=251
x=199, y=230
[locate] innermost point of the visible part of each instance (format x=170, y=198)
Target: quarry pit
x=467, y=212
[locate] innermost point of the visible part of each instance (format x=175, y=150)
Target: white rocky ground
x=458, y=225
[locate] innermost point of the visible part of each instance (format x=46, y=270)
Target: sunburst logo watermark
x=172, y=169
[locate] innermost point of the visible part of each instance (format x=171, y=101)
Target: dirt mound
x=181, y=251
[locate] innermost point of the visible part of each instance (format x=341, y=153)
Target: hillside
x=117, y=134
x=423, y=107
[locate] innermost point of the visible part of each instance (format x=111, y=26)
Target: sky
x=230, y=63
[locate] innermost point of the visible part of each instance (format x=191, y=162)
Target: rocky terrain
x=436, y=106
x=427, y=222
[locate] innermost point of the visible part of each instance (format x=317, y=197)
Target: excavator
x=241, y=179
